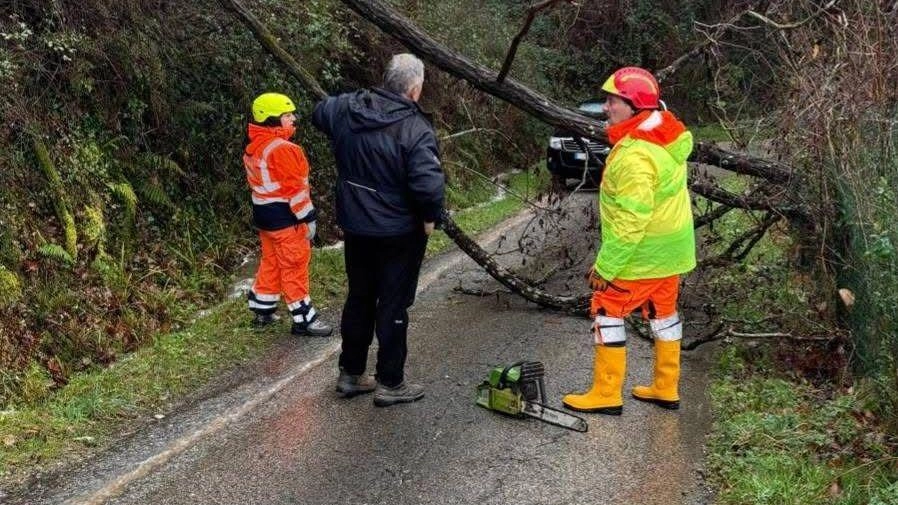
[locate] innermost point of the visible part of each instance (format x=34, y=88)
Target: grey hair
x=403, y=73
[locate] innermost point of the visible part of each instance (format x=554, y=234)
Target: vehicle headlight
x=555, y=143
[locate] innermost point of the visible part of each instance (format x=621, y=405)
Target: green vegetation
x=787, y=429
x=45, y=424
x=521, y=187
x=780, y=440
x=867, y=195
x=90, y=407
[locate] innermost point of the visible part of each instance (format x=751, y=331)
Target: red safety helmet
x=636, y=85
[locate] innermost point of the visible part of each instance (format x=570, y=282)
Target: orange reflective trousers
x=284, y=267
x=656, y=297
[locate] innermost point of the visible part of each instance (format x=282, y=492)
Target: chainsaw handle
x=505, y=371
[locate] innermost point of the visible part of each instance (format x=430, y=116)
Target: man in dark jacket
x=389, y=196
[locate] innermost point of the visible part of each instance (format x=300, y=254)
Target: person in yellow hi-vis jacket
x=648, y=241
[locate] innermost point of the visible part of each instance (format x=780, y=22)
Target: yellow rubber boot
x=608, y=379
x=663, y=391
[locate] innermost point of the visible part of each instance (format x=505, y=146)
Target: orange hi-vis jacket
x=278, y=175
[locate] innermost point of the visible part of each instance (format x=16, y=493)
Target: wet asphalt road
x=302, y=444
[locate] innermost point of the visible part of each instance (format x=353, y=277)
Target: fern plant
x=56, y=253
x=153, y=192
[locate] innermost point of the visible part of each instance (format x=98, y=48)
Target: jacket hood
x=257, y=134
x=658, y=127
x=376, y=108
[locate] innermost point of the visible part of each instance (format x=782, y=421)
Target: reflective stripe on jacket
x=278, y=175
x=646, y=213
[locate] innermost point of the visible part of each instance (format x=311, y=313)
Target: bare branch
x=746, y=242
x=501, y=187
x=573, y=304
x=789, y=26
x=465, y=132
x=391, y=22
x=758, y=234
x=711, y=336
x=717, y=194
x=719, y=333
x=669, y=70
x=710, y=217
x=513, y=49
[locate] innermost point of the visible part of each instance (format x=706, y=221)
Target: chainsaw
x=518, y=390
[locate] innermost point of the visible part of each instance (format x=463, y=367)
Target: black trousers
x=383, y=276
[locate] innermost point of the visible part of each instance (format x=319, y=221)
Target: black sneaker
x=314, y=329
x=352, y=385
x=260, y=320
x=404, y=393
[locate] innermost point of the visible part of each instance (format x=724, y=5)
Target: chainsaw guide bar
x=518, y=390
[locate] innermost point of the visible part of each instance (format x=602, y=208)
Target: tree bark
x=391, y=22
x=771, y=171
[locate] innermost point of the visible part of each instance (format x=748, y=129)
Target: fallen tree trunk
x=385, y=17
x=391, y=22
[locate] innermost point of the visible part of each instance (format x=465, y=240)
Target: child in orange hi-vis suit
x=278, y=175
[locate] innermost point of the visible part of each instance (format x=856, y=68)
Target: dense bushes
x=840, y=124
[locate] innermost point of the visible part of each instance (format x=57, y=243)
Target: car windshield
x=596, y=108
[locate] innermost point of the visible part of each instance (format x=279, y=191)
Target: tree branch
x=746, y=242
x=513, y=49
x=789, y=26
x=573, y=304
x=390, y=21
x=717, y=194
x=710, y=217
x=669, y=70
x=711, y=336
x=711, y=154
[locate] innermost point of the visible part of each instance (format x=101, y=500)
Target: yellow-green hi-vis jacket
x=644, y=206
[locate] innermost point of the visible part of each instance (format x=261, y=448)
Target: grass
x=710, y=132
x=776, y=438
x=94, y=406
x=779, y=440
x=488, y=212
x=90, y=407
